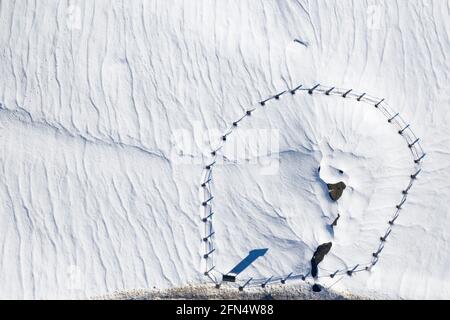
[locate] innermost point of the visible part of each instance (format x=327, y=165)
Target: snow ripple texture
x=92, y=91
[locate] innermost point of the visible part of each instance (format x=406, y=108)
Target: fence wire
x=393, y=118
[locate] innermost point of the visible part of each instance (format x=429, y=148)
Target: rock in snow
x=335, y=190
x=110, y=109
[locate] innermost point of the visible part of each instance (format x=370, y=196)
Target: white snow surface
x=97, y=195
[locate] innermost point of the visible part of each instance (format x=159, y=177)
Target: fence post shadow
x=244, y=264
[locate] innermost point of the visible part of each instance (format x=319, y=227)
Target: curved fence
x=393, y=118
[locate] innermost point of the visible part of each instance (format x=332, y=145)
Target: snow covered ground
x=109, y=110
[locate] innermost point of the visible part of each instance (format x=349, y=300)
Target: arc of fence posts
x=394, y=118
x=264, y=282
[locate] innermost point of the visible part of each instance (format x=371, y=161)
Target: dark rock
x=318, y=256
x=321, y=251
x=316, y=288
x=334, y=224
x=335, y=190
x=314, y=270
